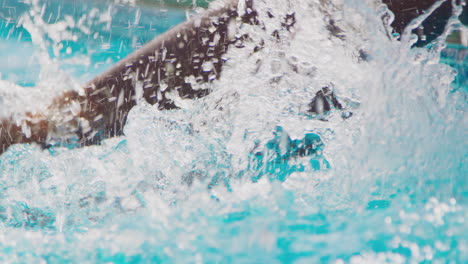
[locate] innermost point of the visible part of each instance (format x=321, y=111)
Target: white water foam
x=149, y=187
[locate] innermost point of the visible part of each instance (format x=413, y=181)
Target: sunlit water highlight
x=244, y=175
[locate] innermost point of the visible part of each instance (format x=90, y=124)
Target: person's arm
x=165, y=67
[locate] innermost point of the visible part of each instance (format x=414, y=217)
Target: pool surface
x=242, y=175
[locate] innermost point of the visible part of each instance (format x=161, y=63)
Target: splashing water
x=243, y=174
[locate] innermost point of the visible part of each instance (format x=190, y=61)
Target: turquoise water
x=256, y=181
x=107, y=33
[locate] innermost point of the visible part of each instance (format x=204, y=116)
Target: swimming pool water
x=89, y=35
x=256, y=181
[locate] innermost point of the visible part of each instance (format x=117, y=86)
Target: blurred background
x=112, y=30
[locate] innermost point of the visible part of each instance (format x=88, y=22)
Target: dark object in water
x=407, y=10
x=157, y=73
x=323, y=101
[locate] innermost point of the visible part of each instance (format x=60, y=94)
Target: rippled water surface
x=245, y=174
